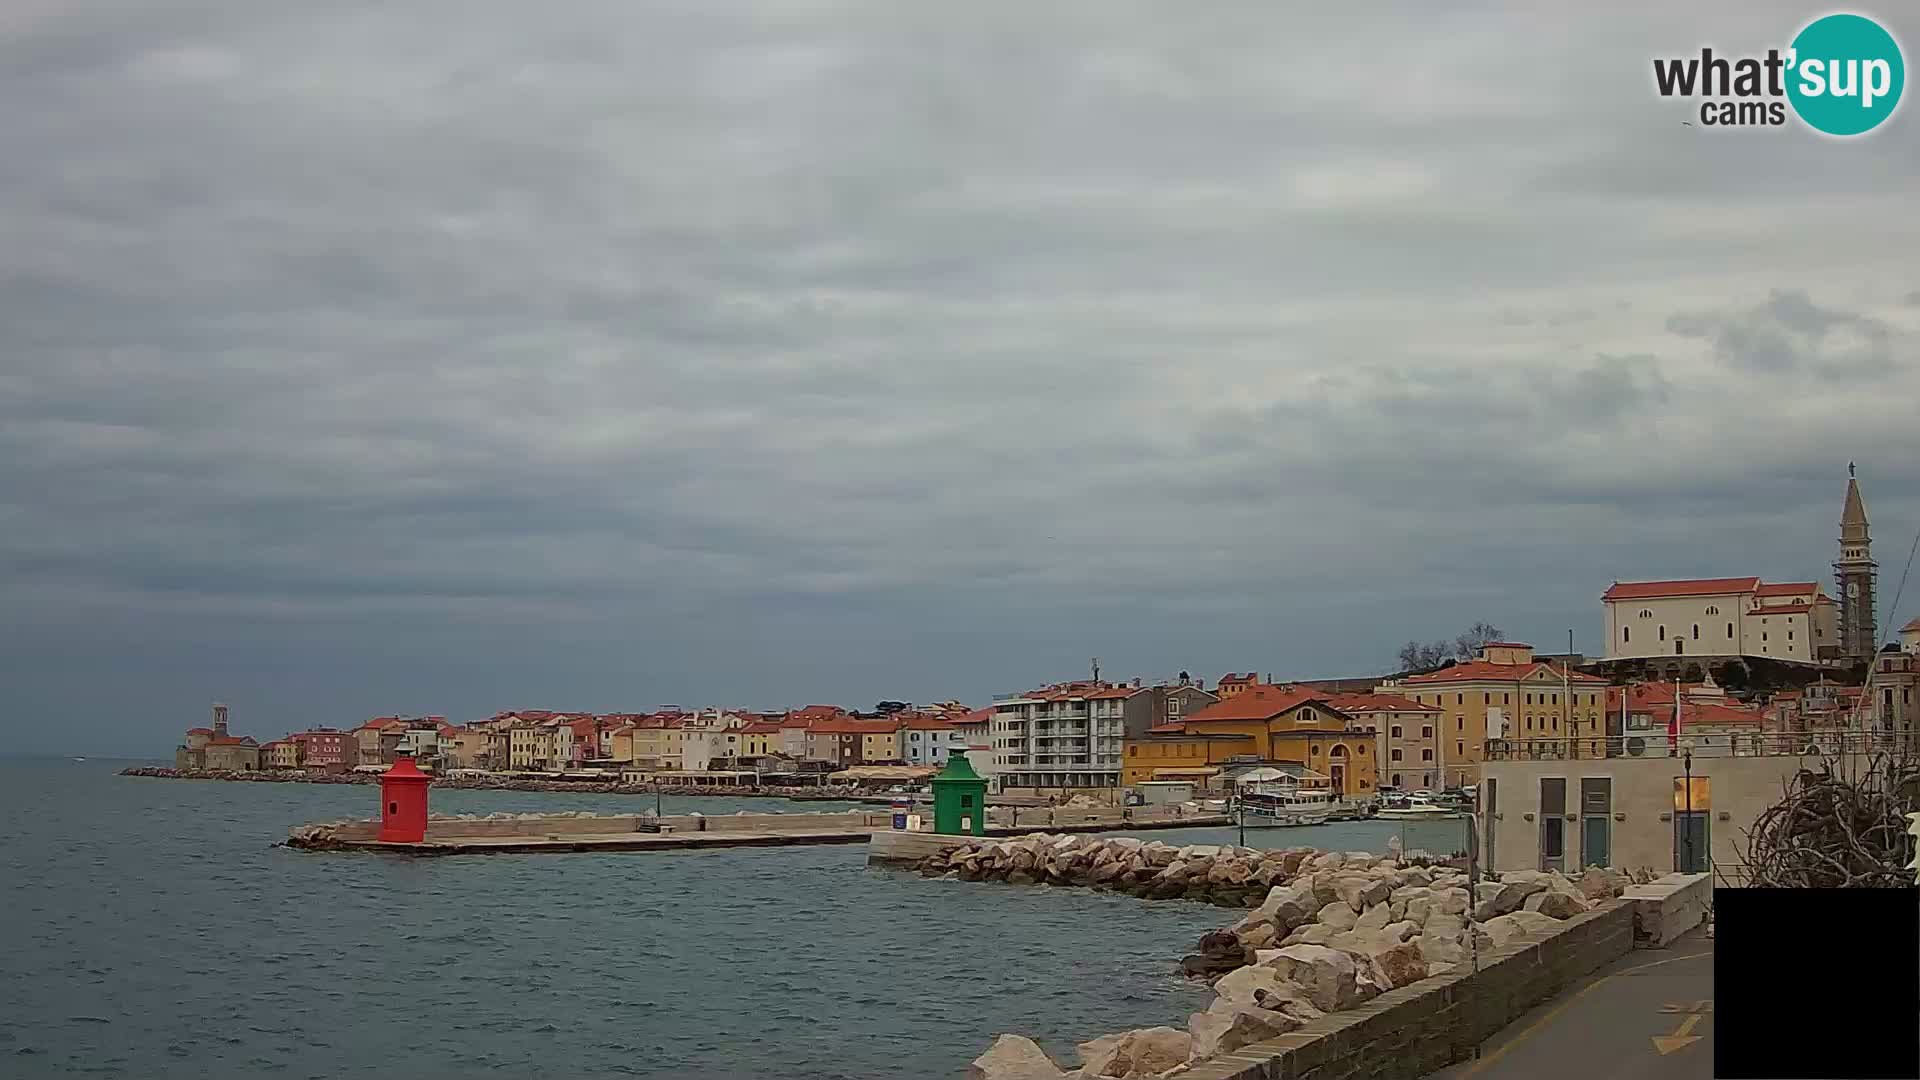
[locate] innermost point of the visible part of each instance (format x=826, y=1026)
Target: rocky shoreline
x=1328, y=931
x=511, y=783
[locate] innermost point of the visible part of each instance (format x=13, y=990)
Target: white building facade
x=1064, y=737
x=1717, y=617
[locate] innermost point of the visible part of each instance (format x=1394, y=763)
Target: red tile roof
x=209, y=731
x=1789, y=588
x=985, y=715
x=1650, y=590
x=1258, y=702
x=1800, y=608
x=1911, y=627
x=1230, y=679
x=926, y=723
x=854, y=727
x=1364, y=703
x=229, y=740
x=761, y=728
x=1485, y=671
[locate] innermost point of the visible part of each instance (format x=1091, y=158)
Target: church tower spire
x=1854, y=573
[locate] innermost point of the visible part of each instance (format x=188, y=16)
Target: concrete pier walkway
x=560, y=834
x=1646, y=1016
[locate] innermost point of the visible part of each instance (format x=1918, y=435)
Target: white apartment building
x=1063, y=737
x=1720, y=617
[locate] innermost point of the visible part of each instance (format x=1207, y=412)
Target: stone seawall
x=321, y=836
x=1339, y=957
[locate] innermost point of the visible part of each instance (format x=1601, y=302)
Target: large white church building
x=1746, y=617
x=1719, y=617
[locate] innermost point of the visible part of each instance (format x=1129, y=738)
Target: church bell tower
x=1853, y=574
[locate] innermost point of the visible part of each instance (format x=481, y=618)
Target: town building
x=1855, y=574
x=1262, y=725
x=1894, y=693
x=1231, y=684
x=759, y=739
x=325, y=749
x=927, y=740
x=217, y=748
x=1708, y=619
x=1406, y=735
x=1686, y=810
x=1065, y=737
x=1504, y=693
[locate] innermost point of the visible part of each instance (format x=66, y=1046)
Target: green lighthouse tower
x=959, y=798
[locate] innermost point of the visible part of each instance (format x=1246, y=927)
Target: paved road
x=1647, y=1016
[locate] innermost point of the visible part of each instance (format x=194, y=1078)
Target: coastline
x=511, y=783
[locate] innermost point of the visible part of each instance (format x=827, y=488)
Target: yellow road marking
x=1680, y=1039
x=1547, y=1017
x=1704, y=1005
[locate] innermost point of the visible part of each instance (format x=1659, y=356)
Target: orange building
x=1261, y=724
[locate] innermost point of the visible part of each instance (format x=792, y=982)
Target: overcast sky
x=360, y=358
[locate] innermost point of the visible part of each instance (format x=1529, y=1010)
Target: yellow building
x=1260, y=724
x=1506, y=694
x=280, y=754
x=759, y=739
x=879, y=741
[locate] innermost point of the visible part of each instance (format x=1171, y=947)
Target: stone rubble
x=1326, y=931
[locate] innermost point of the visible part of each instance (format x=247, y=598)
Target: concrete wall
x=1418, y=1029
x=1642, y=827
x=448, y=829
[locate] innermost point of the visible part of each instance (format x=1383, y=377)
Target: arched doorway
x=1337, y=769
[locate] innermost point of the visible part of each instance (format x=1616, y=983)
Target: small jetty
x=503, y=834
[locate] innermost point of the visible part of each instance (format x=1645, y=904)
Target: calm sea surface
x=153, y=930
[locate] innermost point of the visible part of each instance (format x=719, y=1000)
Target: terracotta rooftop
x=1789, y=588
x=855, y=727
x=760, y=728
x=926, y=723
x=1258, y=702
x=1486, y=671
x=1361, y=703
x=1651, y=590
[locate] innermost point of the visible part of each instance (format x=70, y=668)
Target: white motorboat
x=1284, y=804
x=1416, y=809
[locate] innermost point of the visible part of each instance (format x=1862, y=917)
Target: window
x=1696, y=631
x=1663, y=631
x=1729, y=631
x=1712, y=609
x=1459, y=749
x=1459, y=699
x=1789, y=635
x=1646, y=613
x=1396, y=779
x=1626, y=633
x=1394, y=731
x=1426, y=732
x=1763, y=635
x=1529, y=723
x=1316, y=751
x=1506, y=699
x=1426, y=755
x=1394, y=754
x=1529, y=699
x=1487, y=699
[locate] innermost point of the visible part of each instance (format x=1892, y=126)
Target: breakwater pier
x=565, y=833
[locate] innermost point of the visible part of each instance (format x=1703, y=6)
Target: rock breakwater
x=1328, y=931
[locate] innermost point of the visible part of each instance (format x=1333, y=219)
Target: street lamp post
x=1686, y=822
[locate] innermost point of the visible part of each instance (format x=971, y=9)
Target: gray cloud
x=447, y=357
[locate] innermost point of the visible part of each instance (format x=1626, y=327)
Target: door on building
x=1596, y=820
x=1489, y=805
x=1690, y=843
x=1339, y=779
x=1692, y=835
x=1553, y=823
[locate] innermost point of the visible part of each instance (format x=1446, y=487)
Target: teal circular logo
x=1845, y=74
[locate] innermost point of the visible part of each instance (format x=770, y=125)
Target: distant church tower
x=1853, y=572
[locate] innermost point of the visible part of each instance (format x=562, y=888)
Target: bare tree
x=1426, y=656
x=1478, y=636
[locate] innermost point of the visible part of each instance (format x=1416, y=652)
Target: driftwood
x=1840, y=825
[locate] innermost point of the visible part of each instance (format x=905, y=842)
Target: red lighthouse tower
x=403, y=803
